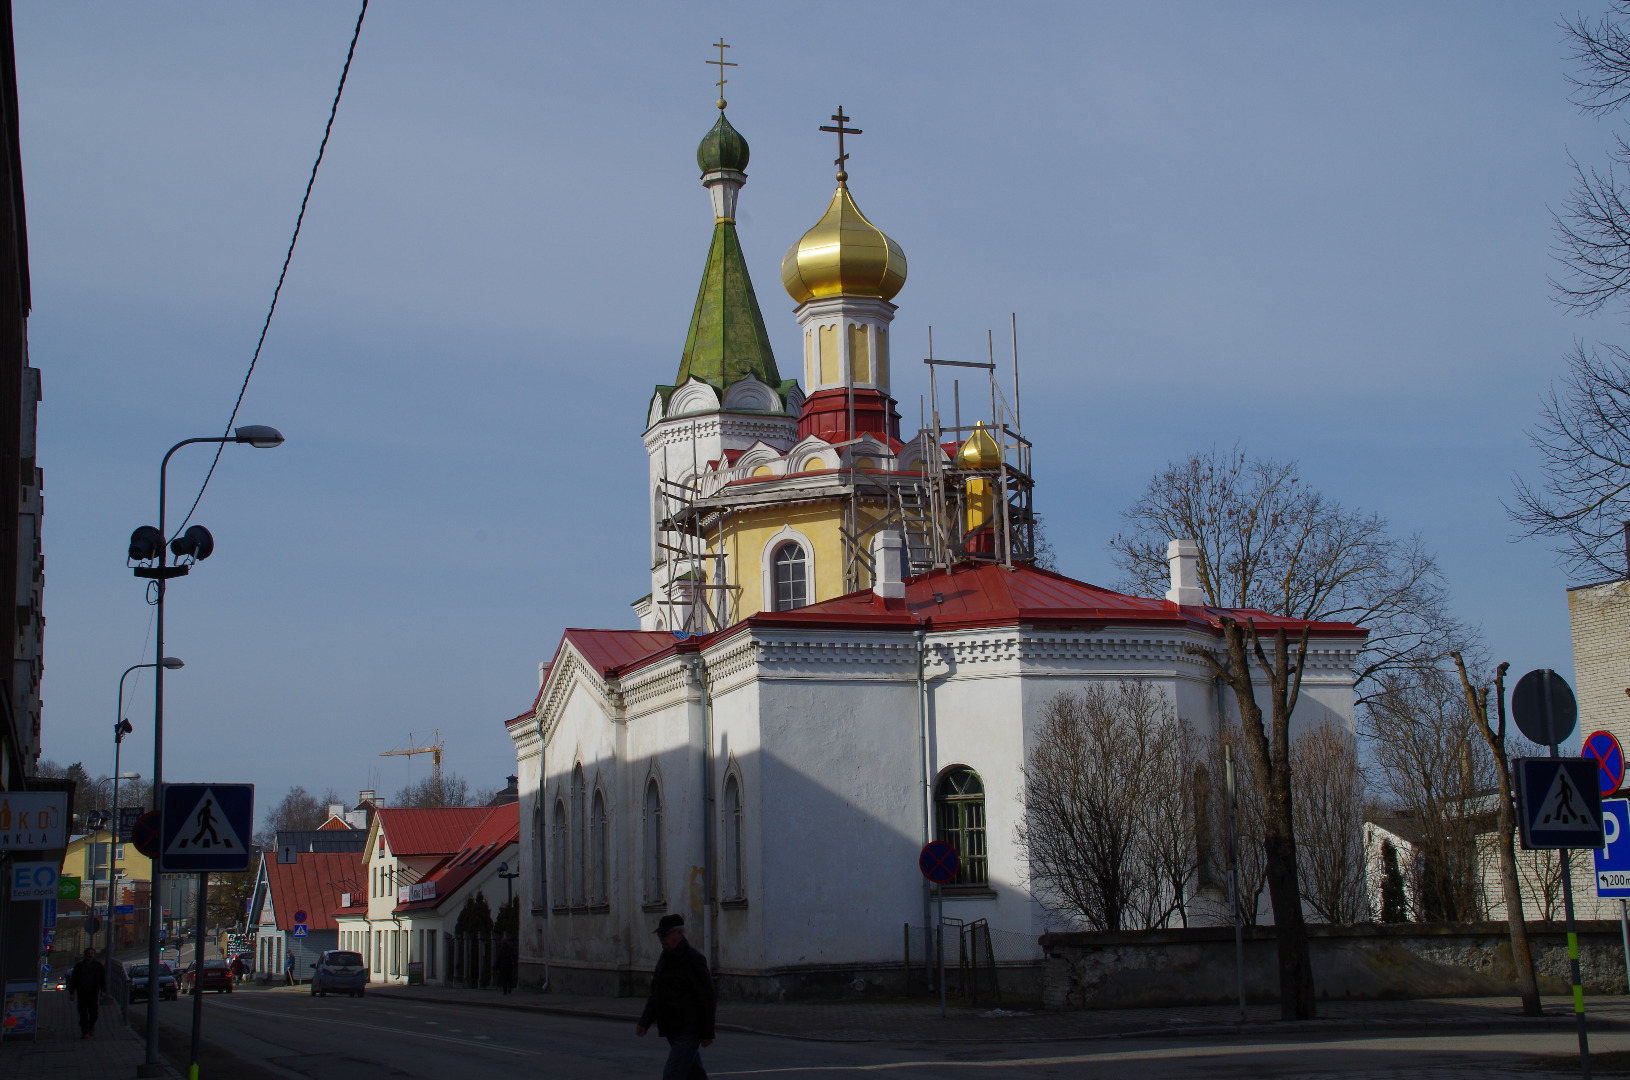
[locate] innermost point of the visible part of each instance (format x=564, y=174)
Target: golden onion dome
x=843, y=255
x=980, y=451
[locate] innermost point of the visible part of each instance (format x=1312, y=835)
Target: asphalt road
x=262, y=1034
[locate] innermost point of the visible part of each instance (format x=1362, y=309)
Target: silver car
x=340, y=971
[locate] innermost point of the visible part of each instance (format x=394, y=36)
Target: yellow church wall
x=751, y=529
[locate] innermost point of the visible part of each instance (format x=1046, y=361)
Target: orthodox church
x=845, y=650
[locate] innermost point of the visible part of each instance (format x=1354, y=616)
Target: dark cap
x=670, y=922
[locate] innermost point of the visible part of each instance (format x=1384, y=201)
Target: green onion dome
x=722, y=148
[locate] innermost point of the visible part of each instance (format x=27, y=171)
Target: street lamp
x=147, y=547
x=509, y=877
x=121, y=728
x=113, y=835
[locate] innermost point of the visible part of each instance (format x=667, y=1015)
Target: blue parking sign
x=1613, y=857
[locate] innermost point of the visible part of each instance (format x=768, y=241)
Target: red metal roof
x=966, y=596
x=313, y=883
x=413, y=832
x=608, y=650
x=502, y=828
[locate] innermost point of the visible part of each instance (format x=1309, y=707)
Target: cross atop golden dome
x=844, y=254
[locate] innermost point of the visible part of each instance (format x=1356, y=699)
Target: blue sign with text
x=1613, y=857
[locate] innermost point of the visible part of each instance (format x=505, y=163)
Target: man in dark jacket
x=86, y=983
x=681, y=1002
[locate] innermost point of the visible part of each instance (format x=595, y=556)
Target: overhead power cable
x=284, y=273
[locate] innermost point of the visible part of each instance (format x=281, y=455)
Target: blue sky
x=1317, y=230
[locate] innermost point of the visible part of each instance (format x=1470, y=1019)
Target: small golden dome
x=980, y=451
x=843, y=255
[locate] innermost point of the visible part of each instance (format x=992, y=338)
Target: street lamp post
x=148, y=545
x=121, y=728
x=113, y=842
x=509, y=877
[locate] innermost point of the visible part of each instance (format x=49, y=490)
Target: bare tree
x=1268, y=751
x=1105, y=848
x=1583, y=437
x=1505, y=799
x=1329, y=782
x=1437, y=774
x=437, y=789
x=1251, y=863
x=297, y=811
x=1272, y=543
x=1541, y=874
x=1593, y=228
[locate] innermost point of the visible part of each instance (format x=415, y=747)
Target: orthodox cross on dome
x=841, y=131
x=721, y=63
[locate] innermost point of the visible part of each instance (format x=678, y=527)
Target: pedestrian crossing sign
x=300, y=929
x=1560, y=802
x=206, y=827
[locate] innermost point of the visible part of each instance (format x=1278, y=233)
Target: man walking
x=86, y=983
x=681, y=1002
x=288, y=966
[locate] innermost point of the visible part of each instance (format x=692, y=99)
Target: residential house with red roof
x=292, y=911
x=845, y=653
x=416, y=871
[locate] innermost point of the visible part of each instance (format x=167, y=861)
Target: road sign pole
x=1567, y=909
x=197, y=972
x=1624, y=932
x=939, y=936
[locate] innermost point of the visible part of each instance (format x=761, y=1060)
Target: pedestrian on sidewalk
x=237, y=968
x=288, y=966
x=506, y=965
x=86, y=984
x=681, y=1003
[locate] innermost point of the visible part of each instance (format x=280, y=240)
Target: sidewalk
x=912, y=1021
x=58, y=1053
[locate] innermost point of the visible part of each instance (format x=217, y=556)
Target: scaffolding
x=928, y=505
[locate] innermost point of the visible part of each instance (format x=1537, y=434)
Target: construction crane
x=433, y=749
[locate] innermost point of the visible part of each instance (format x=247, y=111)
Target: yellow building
x=87, y=860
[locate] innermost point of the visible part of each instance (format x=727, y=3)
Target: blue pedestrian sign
x=1613, y=857
x=206, y=827
x=299, y=929
x=1559, y=802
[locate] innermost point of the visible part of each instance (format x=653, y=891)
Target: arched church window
x=791, y=577
x=540, y=856
x=580, y=837
x=734, y=888
x=600, y=854
x=959, y=804
x=653, y=842
x=561, y=899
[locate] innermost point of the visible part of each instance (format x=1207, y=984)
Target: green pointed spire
x=727, y=340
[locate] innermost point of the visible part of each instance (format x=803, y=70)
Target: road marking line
x=391, y=1030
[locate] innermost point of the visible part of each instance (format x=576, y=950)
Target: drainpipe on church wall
x=698, y=673
x=927, y=795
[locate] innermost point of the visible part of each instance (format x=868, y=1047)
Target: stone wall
x=1158, y=968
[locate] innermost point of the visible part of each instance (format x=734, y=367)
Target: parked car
x=59, y=978
x=340, y=971
x=167, y=990
x=214, y=975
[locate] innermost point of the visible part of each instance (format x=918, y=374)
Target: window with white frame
x=959, y=803
x=791, y=575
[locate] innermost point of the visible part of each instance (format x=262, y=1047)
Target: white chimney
x=888, y=565
x=1184, y=559
x=543, y=673
x=336, y=810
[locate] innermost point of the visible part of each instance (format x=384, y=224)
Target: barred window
x=959, y=802
x=791, y=577
x=734, y=888
x=601, y=854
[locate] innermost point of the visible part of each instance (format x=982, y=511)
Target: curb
x=1550, y=1022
